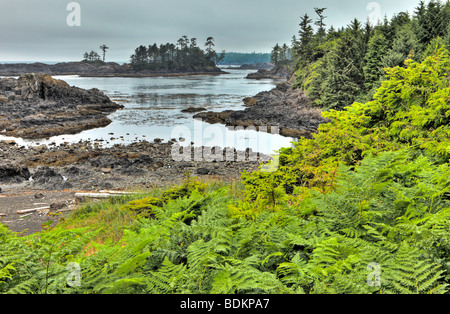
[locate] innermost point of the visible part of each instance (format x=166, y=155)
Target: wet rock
x=39, y=196
x=58, y=206
x=40, y=106
x=283, y=110
x=203, y=171
x=48, y=178
x=278, y=72
x=12, y=172
x=193, y=110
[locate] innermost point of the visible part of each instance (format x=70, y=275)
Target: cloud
x=37, y=30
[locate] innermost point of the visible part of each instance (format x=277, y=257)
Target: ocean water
x=153, y=109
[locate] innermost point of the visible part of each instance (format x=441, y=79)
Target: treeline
x=240, y=58
x=339, y=66
x=183, y=56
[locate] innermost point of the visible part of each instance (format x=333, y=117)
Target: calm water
x=153, y=110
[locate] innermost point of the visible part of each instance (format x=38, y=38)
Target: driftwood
x=26, y=211
x=103, y=194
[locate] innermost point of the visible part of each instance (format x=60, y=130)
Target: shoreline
x=34, y=177
x=109, y=69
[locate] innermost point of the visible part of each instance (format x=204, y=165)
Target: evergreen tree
x=321, y=32
x=373, y=70
x=276, y=54
x=405, y=44
x=431, y=21
x=344, y=78
x=305, y=40
x=103, y=48
x=447, y=37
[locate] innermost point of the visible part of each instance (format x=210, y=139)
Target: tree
x=344, y=77
x=405, y=44
x=373, y=70
x=218, y=58
x=447, y=37
x=103, y=48
x=91, y=56
x=275, y=55
x=431, y=21
x=209, y=47
x=321, y=32
x=306, y=33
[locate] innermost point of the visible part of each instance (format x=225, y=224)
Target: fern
x=408, y=273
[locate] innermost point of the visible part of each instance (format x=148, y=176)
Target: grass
x=112, y=215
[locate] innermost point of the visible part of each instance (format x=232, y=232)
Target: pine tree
x=405, y=45
x=305, y=40
x=344, y=75
x=321, y=32
x=431, y=21
x=276, y=54
x=373, y=69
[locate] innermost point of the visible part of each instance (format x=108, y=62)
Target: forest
x=361, y=207
x=183, y=56
x=240, y=58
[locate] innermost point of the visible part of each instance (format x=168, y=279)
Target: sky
x=62, y=30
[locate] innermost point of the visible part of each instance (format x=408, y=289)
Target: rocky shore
x=107, y=69
x=47, y=178
x=279, y=72
x=87, y=166
x=283, y=107
x=39, y=106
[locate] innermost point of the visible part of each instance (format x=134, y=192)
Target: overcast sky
x=37, y=30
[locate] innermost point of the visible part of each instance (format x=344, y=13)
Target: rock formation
x=283, y=107
x=39, y=106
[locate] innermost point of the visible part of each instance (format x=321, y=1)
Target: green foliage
x=186, y=55
x=362, y=207
x=373, y=70
x=352, y=69
x=392, y=210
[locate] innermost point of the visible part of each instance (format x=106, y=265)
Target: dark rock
x=193, y=110
x=282, y=110
x=12, y=172
x=58, y=206
x=214, y=117
x=278, y=72
x=132, y=171
x=73, y=171
x=202, y=171
x=48, y=178
x=39, y=196
x=40, y=106
x=99, y=69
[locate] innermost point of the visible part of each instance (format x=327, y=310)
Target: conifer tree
x=431, y=21
x=344, y=78
x=305, y=39
x=405, y=45
x=373, y=70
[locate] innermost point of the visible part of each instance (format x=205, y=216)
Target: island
x=181, y=59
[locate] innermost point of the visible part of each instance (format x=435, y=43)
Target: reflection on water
x=153, y=109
